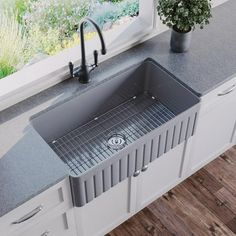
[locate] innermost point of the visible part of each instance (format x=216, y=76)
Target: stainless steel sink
x=116, y=128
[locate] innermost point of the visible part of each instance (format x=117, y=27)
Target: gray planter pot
x=180, y=42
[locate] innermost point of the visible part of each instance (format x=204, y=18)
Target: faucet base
x=83, y=81
x=82, y=74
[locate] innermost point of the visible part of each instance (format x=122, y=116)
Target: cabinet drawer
x=61, y=225
x=25, y=215
x=220, y=94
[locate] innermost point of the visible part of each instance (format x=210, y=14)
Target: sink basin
x=117, y=127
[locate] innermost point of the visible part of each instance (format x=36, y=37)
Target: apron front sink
x=116, y=128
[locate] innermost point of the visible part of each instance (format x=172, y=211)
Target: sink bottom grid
x=87, y=145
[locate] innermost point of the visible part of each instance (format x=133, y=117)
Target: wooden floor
x=204, y=204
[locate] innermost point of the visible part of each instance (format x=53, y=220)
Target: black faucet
x=82, y=72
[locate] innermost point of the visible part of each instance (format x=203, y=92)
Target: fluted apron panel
x=134, y=157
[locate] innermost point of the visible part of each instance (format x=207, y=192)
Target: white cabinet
x=162, y=174
x=47, y=212
x=105, y=212
x=215, y=131
x=113, y=207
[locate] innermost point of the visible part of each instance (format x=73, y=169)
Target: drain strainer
x=116, y=141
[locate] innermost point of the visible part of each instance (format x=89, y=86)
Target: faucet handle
x=95, y=55
x=93, y=66
x=71, y=68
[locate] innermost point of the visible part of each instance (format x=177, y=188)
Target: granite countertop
x=28, y=166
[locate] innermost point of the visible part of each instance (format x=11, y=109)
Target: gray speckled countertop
x=28, y=166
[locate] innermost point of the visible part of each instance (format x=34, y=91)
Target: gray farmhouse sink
x=116, y=128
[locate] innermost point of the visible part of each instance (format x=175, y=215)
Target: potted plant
x=183, y=16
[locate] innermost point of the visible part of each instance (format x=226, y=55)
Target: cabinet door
x=105, y=212
x=162, y=174
x=215, y=131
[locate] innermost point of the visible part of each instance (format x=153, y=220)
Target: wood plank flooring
x=204, y=204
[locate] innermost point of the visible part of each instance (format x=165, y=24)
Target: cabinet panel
x=160, y=176
x=215, y=131
x=105, y=212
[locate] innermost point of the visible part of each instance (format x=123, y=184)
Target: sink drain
x=116, y=141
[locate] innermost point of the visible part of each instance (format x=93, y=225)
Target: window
x=32, y=30
x=26, y=71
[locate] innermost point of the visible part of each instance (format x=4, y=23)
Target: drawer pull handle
x=229, y=90
x=46, y=233
x=29, y=215
x=136, y=173
x=145, y=168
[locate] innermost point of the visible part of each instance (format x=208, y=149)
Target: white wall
x=218, y=2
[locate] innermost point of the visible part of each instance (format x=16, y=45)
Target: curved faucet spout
x=82, y=72
x=103, y=50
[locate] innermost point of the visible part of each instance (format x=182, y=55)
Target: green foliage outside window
x=12, y=44
x=32, y=27
x=110, y=12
